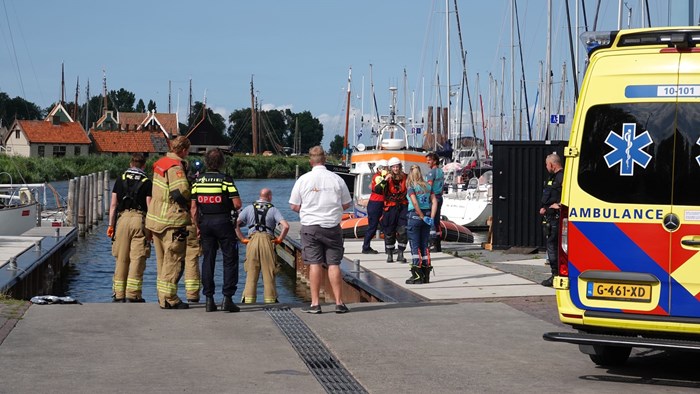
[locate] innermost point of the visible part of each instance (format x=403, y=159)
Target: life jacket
x=395, y=193
x=132, y=182
x=377, y=188
x=260, y=209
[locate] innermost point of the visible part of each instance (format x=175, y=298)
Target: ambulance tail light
x=564, y=241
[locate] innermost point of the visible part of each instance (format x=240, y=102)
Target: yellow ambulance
x=629, y=268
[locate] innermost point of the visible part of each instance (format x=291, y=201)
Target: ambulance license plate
x=619, y=292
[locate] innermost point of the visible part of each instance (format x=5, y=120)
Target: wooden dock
x=369, y=278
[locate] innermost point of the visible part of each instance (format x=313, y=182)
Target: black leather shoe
x=193, y=300
x=548, y=282
x=137, y=299
x=118, y=299
x=369, y=251
x=211, y=305
x=229, y=306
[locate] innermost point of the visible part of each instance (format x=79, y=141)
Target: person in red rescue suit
x=261, y=218
x=131, y=243
x=167, y=218
x=214, y=199
x=375, y=206
x=395, y=214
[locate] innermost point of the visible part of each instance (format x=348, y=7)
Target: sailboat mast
x=75, y=107
x=449, y=86
x=548, y=71
x=253, y=117
x=347, y=120
x=512, y=67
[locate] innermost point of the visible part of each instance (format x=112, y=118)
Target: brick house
x=56, y=136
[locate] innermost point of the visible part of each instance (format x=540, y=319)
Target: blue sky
x=298, y=51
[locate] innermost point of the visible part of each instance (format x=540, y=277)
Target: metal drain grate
x=326, y=368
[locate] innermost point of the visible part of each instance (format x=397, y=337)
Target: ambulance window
x=686, y=172
x=606, y=178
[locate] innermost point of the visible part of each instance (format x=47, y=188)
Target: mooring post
x=69, y=209
x=100, y=196
x=81, y=205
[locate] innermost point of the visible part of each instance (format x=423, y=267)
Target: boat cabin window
x=365, y=180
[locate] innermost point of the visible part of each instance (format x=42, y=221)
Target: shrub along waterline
x=48, y=169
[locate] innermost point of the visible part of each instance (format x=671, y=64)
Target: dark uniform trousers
x=217, y=231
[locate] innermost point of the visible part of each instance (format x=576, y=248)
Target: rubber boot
x=400, y=258
x=390, y=255
x=416, y=276
x=211, y=305
x=426, y=273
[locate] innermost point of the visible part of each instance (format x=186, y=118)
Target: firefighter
x=395, y=211
x=261, y=218
x=214, y=197
x=375, y=206
x=131, y=245
x=193, y=282
x=167, y=218
x=551, y=197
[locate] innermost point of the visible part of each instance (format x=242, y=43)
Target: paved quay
x=482, y=340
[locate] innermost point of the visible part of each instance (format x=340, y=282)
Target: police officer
x=261, y=218
x=551, y=197
x=131, y=245
x=375, y=206
x=167, y=218
x=214, y=196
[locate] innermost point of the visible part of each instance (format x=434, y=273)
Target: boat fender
x=25, y=196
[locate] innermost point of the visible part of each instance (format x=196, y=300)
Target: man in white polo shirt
x=320, y=197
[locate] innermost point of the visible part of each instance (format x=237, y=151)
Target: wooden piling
x=69, y=207
x=81, y=205
x=108, y=192
x=95, y=199
x=100, y=196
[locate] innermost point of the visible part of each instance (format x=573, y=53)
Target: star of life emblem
x=627, y=149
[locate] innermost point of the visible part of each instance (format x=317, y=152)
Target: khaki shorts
x=322, y=245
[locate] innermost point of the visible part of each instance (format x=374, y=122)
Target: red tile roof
x=128, y=141
x=138, y=119
x=41, y=131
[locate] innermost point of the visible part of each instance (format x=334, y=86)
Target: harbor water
x=89, y=277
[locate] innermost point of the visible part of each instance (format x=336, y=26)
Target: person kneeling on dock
x=261, y=218
x=131, y=245
x=421, y=200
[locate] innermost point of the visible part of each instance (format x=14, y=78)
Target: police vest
x=260, y=209
x=212, y=193
x=132, y=182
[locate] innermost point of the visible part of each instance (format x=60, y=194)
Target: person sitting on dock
x=320, y=197
x=168, y=217
x=436, y=179
x=395, y=211
x=422, y=209
x=375, y=206
x=131, y=245
x=261, y=218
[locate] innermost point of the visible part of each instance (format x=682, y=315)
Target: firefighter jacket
x=170, y=198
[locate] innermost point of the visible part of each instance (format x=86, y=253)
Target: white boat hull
x=16, y=220
x=465, y=209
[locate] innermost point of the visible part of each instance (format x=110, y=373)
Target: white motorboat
x=21, y=208
x=470, y=206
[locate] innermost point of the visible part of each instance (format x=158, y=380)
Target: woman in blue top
x=422, y=205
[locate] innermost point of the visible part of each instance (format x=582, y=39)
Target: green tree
x=140, y=106
x=151, y=105
x=18, y=108
x=336, y=147
x=311, y=130
x=122, y=100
